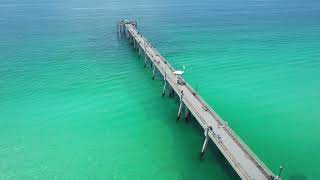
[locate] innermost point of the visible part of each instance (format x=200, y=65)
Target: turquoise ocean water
x=76, y=102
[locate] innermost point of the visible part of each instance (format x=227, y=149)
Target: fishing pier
x=245, y=163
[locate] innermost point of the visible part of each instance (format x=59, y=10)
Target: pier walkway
x=241, y=158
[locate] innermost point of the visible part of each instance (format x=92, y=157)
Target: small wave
x=92, y=8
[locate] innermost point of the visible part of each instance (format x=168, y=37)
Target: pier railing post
x=205, y=142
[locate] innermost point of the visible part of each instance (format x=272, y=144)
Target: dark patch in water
x=297, y=177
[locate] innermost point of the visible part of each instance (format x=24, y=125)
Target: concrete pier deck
x=241, y=158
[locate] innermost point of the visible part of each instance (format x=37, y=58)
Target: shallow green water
x=76, y=103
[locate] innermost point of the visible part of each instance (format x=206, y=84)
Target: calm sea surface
x=76, y=102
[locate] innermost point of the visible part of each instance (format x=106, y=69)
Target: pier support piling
x=153, y=72
x=165, y=83
x=278, y=177
x=180, y=107
x=188, y=114
x=118, y=30
x=145, y=61
x=164, y=87
x=205, y=143
x=179, y=112
x=171, y=93
x=123, y=30
x=139, y=49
